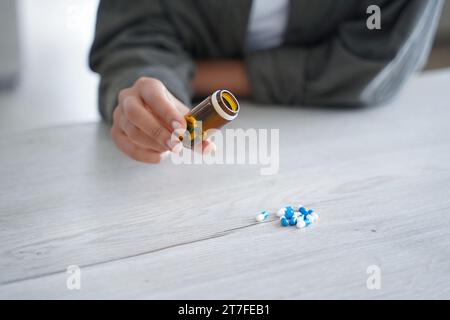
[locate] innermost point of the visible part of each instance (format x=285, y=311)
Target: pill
x=293, y=221
x=307, y=221
x=289, y=214
x=301, y=224
x=280, y=212
x=284, y=222
x=303, y=211
x=262, y=216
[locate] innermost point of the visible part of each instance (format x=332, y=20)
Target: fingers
x=145, y=119
x=161, y=101
x=180, y=106
x=150, y=131
x=132, y=150
x=208, y=147
x=137, y=136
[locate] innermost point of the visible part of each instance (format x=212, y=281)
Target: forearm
x=212, y=75
x=118, y=56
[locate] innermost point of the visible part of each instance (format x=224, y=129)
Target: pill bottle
x=214, y=112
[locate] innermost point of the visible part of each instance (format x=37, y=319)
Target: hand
x=144, y=120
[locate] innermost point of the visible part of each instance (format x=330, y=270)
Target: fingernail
x=173, y=143
x=170, y=143
x=177, y=148
x=176, y=125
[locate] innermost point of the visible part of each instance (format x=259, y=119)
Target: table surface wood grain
x=379, y=177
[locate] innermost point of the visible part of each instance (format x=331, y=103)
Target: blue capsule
x=303, y=211
x=262, y=216
x=307, y=221
x=293, y=221
x=284, y=221
x=289, y=213
x=308, y=215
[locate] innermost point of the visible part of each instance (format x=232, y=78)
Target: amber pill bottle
x=214, y=112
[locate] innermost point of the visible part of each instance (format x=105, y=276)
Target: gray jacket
x=329, y=56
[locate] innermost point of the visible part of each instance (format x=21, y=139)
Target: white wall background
x=56, y=87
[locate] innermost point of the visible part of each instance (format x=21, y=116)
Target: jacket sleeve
x=134, y=39
x=354, y=67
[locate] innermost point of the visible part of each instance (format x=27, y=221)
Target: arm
x=135, y=40
x=356, y=66
x=145, y=78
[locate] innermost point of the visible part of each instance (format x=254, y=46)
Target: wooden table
x=379, y=177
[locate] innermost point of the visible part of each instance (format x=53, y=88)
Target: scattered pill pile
x=290, y=216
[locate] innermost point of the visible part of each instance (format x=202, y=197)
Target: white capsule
x=262, y=216
x=280, y=212
x=301, y=224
